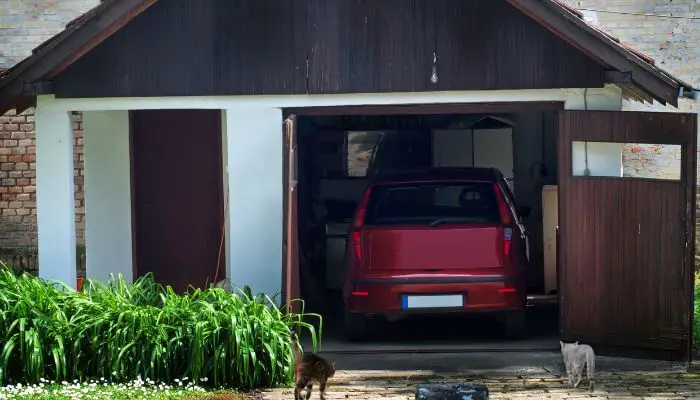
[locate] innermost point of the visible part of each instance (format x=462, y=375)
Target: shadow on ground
x=442, y=334
x=520, y=363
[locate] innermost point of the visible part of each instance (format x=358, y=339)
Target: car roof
x=437, y=174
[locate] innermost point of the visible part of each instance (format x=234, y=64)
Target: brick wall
x=18, y=179
x=24, y=24
x=652, y=161
x=674, y=43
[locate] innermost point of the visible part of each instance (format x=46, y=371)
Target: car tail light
x=505, y=219
x=358, y=224
x=507, y=237
x=362, y=210
x=502, y=206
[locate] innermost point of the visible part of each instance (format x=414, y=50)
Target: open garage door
x=290, y=259
x=627, y=228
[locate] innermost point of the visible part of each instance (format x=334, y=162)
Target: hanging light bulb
x=434, y=75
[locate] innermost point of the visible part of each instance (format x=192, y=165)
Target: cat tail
x=590, y=366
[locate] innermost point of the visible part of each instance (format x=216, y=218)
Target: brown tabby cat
x=309, y=368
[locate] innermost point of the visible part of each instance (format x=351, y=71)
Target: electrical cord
x=221, y=242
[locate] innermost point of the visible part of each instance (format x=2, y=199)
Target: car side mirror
x=524, y=212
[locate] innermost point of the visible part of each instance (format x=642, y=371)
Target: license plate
x=433, y=301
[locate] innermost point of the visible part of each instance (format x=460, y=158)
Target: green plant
x=696, y=313
x=122, y=331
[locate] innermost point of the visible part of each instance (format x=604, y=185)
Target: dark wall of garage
x=535, y=160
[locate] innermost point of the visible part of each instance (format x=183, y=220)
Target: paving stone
x=366, y=385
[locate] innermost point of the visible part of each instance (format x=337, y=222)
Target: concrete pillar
x=55, y=194
x=108, y=235
x=254, y=159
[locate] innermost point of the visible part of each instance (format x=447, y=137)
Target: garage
x=299, y=93
x=338, y=154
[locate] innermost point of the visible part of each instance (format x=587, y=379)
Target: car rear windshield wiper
x=447, y=221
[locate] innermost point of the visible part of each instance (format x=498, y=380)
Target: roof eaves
x=80, y=36
x=633, y=55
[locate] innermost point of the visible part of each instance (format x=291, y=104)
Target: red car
x=441, y=240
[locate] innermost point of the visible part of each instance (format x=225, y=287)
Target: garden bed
x=125, y=332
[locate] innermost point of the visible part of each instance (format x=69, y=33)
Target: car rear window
x=432, y=203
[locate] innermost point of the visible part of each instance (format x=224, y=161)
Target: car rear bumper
x=399, y=295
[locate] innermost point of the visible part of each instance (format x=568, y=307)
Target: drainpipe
x=689, y=94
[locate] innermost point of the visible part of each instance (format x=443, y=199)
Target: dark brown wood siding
x=242, y=47
x=198, y=47
x=626, y=245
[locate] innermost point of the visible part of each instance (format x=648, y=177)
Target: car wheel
x=356, y=326
x=514, y=324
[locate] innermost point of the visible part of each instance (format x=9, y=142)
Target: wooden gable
x=226, y=47
x=242, y=47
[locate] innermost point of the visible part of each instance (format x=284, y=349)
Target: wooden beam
x=24, y=103
x=429, y=109
x=600, y=47
x=37, y=88
x=618, y=78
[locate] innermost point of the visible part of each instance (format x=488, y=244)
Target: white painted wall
x=108, y=238
x=477, y=148
x=493, y=148
x=255, y=180
x=55, y=195
x=604, y=159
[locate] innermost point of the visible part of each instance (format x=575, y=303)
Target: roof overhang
x=637, y=75
x=20, y=84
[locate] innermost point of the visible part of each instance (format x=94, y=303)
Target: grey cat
x=576, y=356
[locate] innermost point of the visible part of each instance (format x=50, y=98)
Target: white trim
x=572, y=97
x=288, y=101
x=608, y=99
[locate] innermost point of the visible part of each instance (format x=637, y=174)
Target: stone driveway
x=367, y=385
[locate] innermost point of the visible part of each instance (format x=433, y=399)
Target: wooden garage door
x=627, y=243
